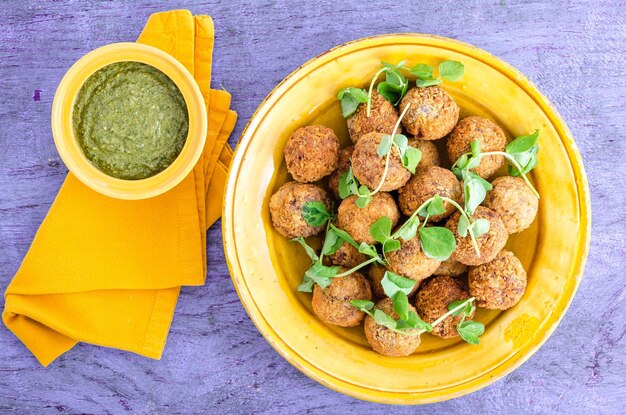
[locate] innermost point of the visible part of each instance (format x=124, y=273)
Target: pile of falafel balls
x=494, y=276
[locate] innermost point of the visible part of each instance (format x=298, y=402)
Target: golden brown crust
x=332, y=304
x=347, y=256
x=432, y=302
x=430, y=154
x=357, y=221
x=369, y=168
x=286, y=209
x=375, y=275
x=428, y=182
x=410, y=261
x=499, y=284
x=451, y=268
x=343, y=165
x=311, y=153
x=512, y=199
x=490, y=136
x=385, y=341
x=383, y=118
x=489, y=243
x=432, y=114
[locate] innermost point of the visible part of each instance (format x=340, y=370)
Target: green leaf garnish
x=315, y=213
x=451, y=70
x=309, y=251
x=350, y=99
x=423, y=83
x=524, y=151
x=384, y=319
x=435, y=207
x=368, y=250
x=363, y=305
x=463, y=226
x=332, y=242
x=423, y=71
x=394, y=283
x=411, y=158
x=395, y=85
x=474, y=194
x=409, y=229
x=384, y=146
x=345, y=236
x=437, y=242
x=470, y=331
x=480, y=226
x=381, y=229
x=321, y=274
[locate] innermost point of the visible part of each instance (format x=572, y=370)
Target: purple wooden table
x=215, y=361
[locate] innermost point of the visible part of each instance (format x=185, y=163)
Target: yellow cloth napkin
x=108, y=271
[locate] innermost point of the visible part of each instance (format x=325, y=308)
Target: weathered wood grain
x=215, y=361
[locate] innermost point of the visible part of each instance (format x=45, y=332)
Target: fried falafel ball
x=357, y=221
x=382, y=119
x=498, y=284
x=286, y=209
x=343, y=165
x=432, y=114
x=430, y=154
x=489, y=243
x=386, y=341
x=347, y=256
x=410, y=261
x=451, y=268
x=490, y=136
x=369, y=167
x=432, y=302
x=428, y=182
x=332, y=304
x=513, y=200
x=311, y=153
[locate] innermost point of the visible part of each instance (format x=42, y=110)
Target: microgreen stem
x=358, y=267
x=454, y=310
x=371, y=89
x=512, y=160
x=393, y=134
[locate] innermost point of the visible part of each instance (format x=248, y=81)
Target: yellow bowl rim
x=505, y=367
x=70, y=151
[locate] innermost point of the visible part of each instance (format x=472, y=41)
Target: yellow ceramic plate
x=266, y=268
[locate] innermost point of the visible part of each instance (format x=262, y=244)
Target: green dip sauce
x=130, y=120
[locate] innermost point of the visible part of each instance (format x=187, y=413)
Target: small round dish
x=73, y=156
x=266, y=268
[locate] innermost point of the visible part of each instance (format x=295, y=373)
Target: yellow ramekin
x=70, y=150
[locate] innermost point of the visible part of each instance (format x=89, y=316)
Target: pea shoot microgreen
x=316, y=214
x=396, y=85
x=521, y=154
x=350, y=99
x=469, y=330
x=448, y=70
x=410, y=156
x=381, y=232
x=397, y=288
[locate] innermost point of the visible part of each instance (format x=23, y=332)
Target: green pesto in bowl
x=130, y=120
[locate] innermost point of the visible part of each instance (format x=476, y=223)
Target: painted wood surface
x=215, y=361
